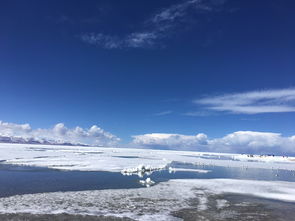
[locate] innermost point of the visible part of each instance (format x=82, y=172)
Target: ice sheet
x=156, y=202
x=117, y=159
x=266, y=189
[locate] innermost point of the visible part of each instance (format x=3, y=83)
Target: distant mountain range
x=30, y=140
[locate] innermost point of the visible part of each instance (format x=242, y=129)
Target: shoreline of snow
x=117, y=159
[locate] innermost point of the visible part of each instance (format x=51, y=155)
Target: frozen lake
x=38, y=181
x=16, y=179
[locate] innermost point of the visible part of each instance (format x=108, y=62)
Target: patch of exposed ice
x=221, y=203
x=203, y=200
x=277, y=190
x=172, y=170
x=148, y=182
x=155, y=202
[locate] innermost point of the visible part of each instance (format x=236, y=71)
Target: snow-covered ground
x=154, y=203
x=118, y=159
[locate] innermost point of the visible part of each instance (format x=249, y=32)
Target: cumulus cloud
x=59, y=134
x=254, y=142
x=237, y=142
x=170, y=141
x=253, y=102
x=154, y=28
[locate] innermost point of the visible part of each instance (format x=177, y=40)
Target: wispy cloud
x=155, y=28
x=163, y=113
x=253, y=102
x=59, y=134
x=133, y=40
x=102, y=40
x=175, y=12
x=198, y=113
x=141, y=39
x=236, y=142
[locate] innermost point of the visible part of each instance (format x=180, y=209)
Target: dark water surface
x=22, y=179
x=227, y=172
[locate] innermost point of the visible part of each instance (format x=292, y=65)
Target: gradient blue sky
x=131, y=69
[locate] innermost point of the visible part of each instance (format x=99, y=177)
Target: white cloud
x=105, y=41
x=11, y=129
x=170, y=141
x=253, y=102
x=59, y=134
x=237, y=142
x=141, y=39
x=254, y=142
x=154, y=28
x=163, y=113
x=198, y=113
x=133, y=40
x=178, y=11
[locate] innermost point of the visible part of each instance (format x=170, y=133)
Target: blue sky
x=141, y=67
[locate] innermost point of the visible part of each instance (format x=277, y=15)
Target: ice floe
x=221, y=203
x=173, y=170
x=148, y=182
x=142, y=170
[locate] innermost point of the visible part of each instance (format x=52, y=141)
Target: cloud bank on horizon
x=59, y=134
x=251, y=142
x=236, y=142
